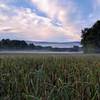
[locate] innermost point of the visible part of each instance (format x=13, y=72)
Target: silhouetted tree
x=91, y=39
x=13, y=44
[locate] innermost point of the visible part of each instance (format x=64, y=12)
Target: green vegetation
x=91, y=38
x=50, y=77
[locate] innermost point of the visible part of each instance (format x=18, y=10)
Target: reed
x=50, y=77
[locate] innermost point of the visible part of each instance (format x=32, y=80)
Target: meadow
x=49, y=77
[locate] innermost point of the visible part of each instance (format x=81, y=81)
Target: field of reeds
x=50, y=77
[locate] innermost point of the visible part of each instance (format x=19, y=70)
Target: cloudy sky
x=47, y=20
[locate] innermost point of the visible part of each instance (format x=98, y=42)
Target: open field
x=49, y=77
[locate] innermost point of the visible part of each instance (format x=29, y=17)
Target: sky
x=47, y=20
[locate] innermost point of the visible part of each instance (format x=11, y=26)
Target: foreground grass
x=50, y=77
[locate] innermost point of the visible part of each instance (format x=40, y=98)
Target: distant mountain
x=56, y=44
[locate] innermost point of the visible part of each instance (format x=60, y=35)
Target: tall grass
x=50, y=77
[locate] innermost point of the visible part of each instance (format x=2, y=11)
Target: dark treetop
x=91, y=38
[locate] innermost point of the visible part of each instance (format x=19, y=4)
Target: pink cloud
x=34, y=27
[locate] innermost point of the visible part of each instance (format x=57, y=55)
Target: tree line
x=14, y=44
x=7, y=44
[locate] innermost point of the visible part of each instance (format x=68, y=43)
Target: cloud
x=30, y=26
x=62, y=11
x=56, y=8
